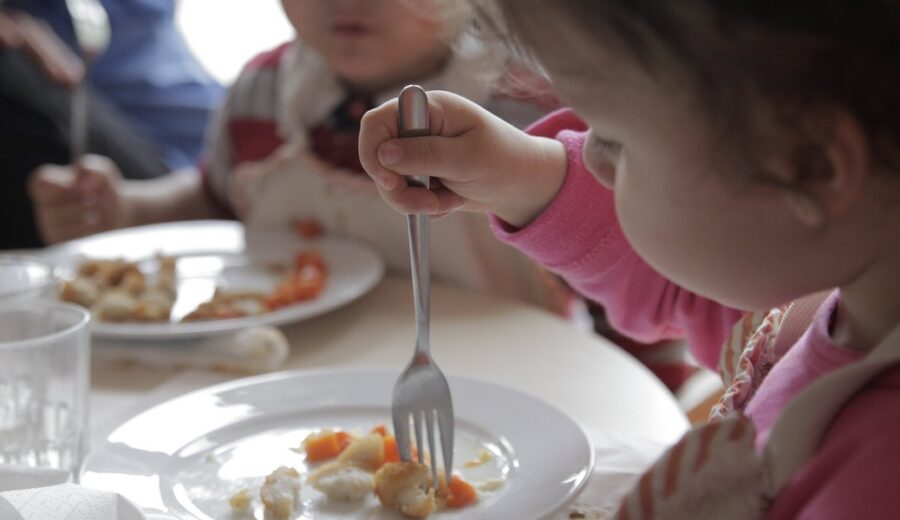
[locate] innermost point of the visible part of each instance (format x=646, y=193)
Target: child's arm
x=578, y=236
x=71, y=202
x=550, y=207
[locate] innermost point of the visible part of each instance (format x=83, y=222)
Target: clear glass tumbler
x=44, y=380
x=24, y=278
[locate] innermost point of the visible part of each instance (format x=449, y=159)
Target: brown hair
x=789, y=58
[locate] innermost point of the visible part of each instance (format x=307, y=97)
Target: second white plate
x=187, y=456
x=215, y=253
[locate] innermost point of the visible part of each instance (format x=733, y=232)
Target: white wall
x=224, y=34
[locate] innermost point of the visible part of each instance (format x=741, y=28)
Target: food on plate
x=349, y=468
x=491, y=486
x=117, y=290
x=308, y=228
x=406, y=487
x=458, y=494
x=225, y=305
x=114, y=305
x=325, y=444
x=166, y=275
x=155, y=304
x=305, y=281
x=342, y=482
x=366, y=452
x=483, y=456
x=350, y=476
x=241, y=501
x=82, y=291
x=112, y=273
x=392, y=453
x=280, y=494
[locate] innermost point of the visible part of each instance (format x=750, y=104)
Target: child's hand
x=71, y=202
x=482, y=161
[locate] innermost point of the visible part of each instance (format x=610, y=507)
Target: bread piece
x=342, y=481
x=80, y=290
x=115, y=305
x=241, y=501
x=280, y=493
x=133, y=282
x=166, y=276
x=366, y=453
x=406, y=487
x=154, y=305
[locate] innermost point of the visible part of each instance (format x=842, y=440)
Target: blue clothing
x=148, y=73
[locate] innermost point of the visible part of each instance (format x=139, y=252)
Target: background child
x=735, y=157
x=284, y=145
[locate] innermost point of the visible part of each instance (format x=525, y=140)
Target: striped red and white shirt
x=281, y=96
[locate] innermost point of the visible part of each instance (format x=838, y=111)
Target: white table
x=473, y=335
x=628, y=413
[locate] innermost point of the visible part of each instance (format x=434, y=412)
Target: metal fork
x=421, y=391
x=92, y=31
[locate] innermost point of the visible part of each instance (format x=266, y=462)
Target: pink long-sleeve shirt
x=855, y=471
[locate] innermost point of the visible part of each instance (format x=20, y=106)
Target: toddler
x=283, y=147
x=732, y=177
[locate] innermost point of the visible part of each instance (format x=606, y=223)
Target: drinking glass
x=23, y=278
x=44, y=380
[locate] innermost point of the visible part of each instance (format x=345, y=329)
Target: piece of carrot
x=308, y=282
x=461, y=493
x=308, y=228
x=392, y=453
x=301, y=284
x=380, y=430
x=344, y=439
x=305, y=258
x=321, y=446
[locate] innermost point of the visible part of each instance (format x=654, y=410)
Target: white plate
x=215, y=253
x=186, y=457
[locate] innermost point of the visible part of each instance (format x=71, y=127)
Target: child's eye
x=608, y=149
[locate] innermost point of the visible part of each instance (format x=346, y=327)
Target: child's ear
x=827, y=177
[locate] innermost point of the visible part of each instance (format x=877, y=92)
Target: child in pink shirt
x=731, y=178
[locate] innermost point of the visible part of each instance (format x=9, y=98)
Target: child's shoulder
x=255, y=89
x=268, y=59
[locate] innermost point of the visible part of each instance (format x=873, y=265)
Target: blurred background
x=221, y=51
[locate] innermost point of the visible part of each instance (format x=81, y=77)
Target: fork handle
x=419, y=257
x=78, y=122
x=413, y=119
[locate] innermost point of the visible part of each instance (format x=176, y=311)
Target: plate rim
x=381, y=371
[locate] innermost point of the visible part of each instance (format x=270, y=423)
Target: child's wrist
x=535, y=182
x=132, y=208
